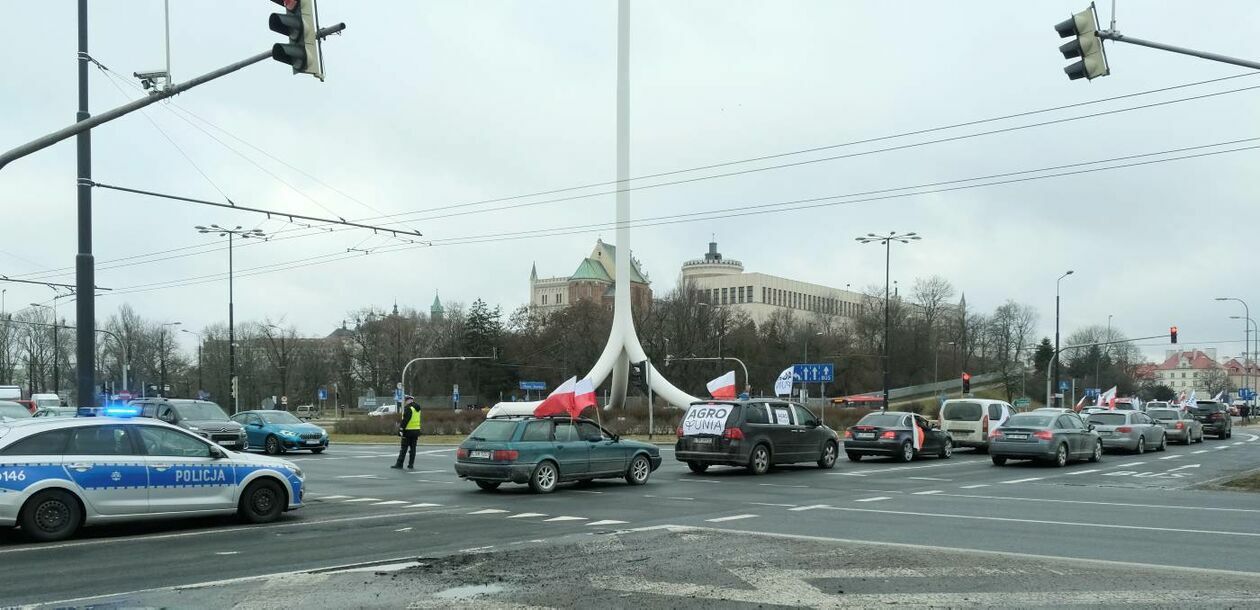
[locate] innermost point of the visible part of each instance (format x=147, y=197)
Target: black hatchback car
x=1214, y=416
x=889, y=433
x=755, y=434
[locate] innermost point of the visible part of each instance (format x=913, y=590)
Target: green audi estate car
x=544, y=451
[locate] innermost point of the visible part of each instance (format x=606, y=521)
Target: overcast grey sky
x=429, y=104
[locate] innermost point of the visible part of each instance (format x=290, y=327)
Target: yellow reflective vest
x=413, y=418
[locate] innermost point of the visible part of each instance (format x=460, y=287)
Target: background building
x=723, y=281
x=1193, y=370
x=593, y=280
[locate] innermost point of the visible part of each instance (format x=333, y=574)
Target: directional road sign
x=814, y=373
x=533, y=385
x=1022, y=402
x=1063, y=386
x=323, y=394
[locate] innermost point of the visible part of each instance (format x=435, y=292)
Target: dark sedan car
x=1040, y=435
x=1215, y=418
x=888, y=433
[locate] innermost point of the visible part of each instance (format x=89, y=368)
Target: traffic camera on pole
x=300, y=22
x=1085, y=44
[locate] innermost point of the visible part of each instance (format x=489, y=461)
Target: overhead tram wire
x=674, y=219
x=781, y=204
x=674, y=172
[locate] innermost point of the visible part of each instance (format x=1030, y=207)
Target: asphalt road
x=1128, y=508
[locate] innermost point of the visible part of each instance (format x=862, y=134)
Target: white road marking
x=432, y=481
x=1238, y=443
x=1199, y=451
x=426, y=472
x=1219, y=447
x=1014, y=481
x=919, y=467
x=607, y=522
x=363, y=500
x=1100, y=503
x=432, y=451
x=679, y=498
x=359, y=476
x=329, y=497
x=810, y=507
x=926, y=493
x=1183, y=467
x=771, y=504
x=423, y=505
x=566, y=518
x=848, y=474
x=1171, y=457
x=228, y=553
x=475, y=549
x=779, y=485
x=1082, y=471
x=489, y=511
x=1253, y=437
x=526, y=515
x=685, y=480
x=1130, y=464
x=731, y=518
x=875, y=499
x=389, y=502
x=928, y=479
x=405, y=529
x=585, y=491
x=976, y=486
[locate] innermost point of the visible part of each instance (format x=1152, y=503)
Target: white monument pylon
x=623, y=341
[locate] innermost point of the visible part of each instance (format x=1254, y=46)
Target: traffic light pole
x=1118, y=37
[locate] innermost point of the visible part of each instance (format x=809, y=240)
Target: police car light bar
x=116, y=410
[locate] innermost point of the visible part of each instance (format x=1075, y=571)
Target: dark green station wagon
x=544, y=451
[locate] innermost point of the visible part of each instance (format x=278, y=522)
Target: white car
x=57, y=473
x=384, y=410
x=969, y=421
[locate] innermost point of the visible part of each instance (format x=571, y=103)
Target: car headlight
x=288, y=433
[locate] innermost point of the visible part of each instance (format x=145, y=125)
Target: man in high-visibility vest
x=409, y=430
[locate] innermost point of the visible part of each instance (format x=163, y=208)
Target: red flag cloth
x=559, y=402
x=916, y=433
x=723, y=387
x=583, y=396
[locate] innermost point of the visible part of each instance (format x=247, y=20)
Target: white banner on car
x=706, y=419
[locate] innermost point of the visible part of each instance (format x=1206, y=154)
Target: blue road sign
x=1063, y=386
x=1246, y=393
x=398, y=395
x=814, y=373
x=1092, y=392
x=533, y=385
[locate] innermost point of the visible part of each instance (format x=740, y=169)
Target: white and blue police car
x=59, y=473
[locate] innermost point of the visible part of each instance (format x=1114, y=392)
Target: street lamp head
x=1222, y=298
x=1069, y=272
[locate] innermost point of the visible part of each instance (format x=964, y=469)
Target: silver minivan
x=970, y=421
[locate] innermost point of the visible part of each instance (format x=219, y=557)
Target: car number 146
x=12, y=475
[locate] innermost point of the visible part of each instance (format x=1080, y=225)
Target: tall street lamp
x=887, y=240
x=282, y=361
x=1055, y=387
x=1098, y=360
x=936, y=369
x=200, y=340
x=1246, y=333
x=1247, y=368
x=162, y=357
x=230, y=233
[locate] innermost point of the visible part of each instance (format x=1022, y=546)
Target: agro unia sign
x=705, y=419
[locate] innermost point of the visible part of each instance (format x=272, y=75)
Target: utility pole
x=84, y=263
x=1055, y=388
x=233, y=383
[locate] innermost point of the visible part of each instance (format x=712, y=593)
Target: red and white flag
x=583, y=396
x=723, y=387
x=559, y=402
x=1107, y=399
x=916, y=433
x=1080, y=404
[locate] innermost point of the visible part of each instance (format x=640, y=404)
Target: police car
x=106, y=466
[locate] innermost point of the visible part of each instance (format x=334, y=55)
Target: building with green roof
x=593, y=280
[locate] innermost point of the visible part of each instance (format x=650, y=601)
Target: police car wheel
x=51, y=515
x=272, y=445
x=262, y=502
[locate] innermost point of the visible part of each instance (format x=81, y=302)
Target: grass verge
x=1246, y=482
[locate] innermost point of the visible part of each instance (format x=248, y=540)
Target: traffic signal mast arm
x=1055, y=356
x=1118, y=37
x=155, y=96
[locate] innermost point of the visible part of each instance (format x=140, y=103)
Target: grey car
x=1179, y=426
x=1131, y=430
x=201, y=417
x=1041, y=435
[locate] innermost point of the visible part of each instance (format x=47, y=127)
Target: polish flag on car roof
x=569, y=399
x=723, y=387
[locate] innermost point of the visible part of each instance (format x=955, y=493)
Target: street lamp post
x=200, y=340
x=282, y=364
x=887, y=240
x=1247, y=367
x=243, y=234
x=1097, y=361
x=1055, y=387
x=1246, y=334
x=162, y=357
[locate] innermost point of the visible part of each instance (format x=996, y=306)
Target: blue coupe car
x=279, y=431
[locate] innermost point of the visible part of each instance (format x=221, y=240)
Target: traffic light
x=966, y=380
x=638, y=375
x=1172, y=334
x=1085, y=44
x=300, y=23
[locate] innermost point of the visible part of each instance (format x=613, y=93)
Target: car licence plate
x=865, y=435
x=702, y=441
x=1017, y=436
x=484, y=455
x=312, y=442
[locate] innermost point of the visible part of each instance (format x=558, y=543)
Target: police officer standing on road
x=409, y=430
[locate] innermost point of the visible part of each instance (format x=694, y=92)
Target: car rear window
x=883, y=420
x=1108, y=419
x=494, y=430
x=1211, y=408
x=1030, y=420
x=711, y=418
x=1163, y=414
x=962, y=411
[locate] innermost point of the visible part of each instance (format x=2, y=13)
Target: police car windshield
x=12, y=410
x=279, y=417
x=201, y=411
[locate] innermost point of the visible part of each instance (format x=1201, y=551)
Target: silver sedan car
x=1180, y=426
x=1131, y=430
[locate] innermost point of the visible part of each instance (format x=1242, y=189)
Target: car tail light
x=984, y=425
x=848, y=434
x=1124, y=429
x=1044, y=435
x=888, y=435
x=1181, y=425
x=734, y=434
x=680, y=432
x=461, y=453
x=996, y=433
x=505, y=455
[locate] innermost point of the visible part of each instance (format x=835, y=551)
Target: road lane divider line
x=1130, y=464
x=771, y=504
x=432, y=481
x=781, y=485
x=926, y=493
x=1068, y=474
x=489, y=511
x=526, y=515
x=607, y=522
x=1219, y=448
x=403, y=529
x=423, y=505
x=1237, y=443
x=389, y=503
x=329, y=497
x=1101, y=503
x=849, y=474
x=683, y=498
x=566, y=518
x=875, y=499
x=1026, y=480
x=1199, y=451
x=976, y=486
x=689, y=480
x=362, y=500
x=1171, y=457
x=731, y=518
x=810, y=507
x=929, y=479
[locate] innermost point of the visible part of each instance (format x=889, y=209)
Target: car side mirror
x=1091, y=426
x=616, y=438
x=217, y=453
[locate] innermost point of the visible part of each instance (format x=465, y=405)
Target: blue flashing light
x=121, y=410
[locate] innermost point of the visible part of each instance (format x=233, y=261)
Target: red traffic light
x=967, y=376
x=1172, y=334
